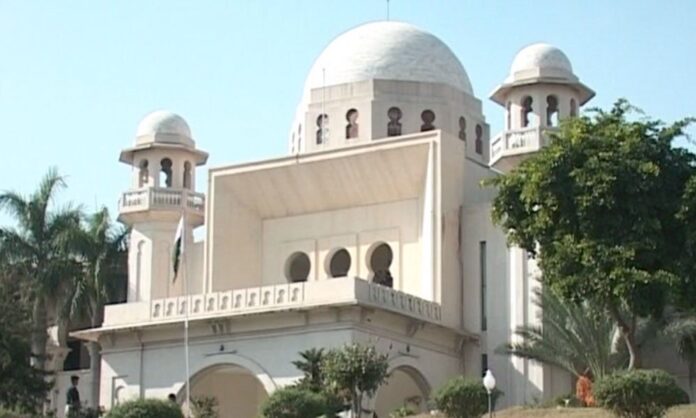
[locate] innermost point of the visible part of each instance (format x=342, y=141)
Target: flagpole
x=186, y=316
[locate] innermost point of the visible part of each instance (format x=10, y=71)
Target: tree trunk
x=39, y=333
x=95, y=358
x=628, y=333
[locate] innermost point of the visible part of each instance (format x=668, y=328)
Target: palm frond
x=574, y=337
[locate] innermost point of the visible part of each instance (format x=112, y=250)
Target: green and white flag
x=178, y=250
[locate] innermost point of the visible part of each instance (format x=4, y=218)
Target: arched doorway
x=239, y=393
x=405, y=386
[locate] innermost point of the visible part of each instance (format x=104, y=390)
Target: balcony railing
x=159, y=198
x=340, y=291
x=518, y=141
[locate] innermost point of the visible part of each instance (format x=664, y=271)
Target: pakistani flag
x=178, y=251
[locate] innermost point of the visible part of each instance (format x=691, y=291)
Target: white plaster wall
x=237, y=394
x=356, y=230
x=234, y=252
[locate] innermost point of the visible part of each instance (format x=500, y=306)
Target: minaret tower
x=164, y=161
x=540, y=90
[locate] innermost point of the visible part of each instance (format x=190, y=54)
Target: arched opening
x=404, y=387
x=299, y=138
x=238, y=392
x=462, y=128
x=297, y=267
x=428, y=117
x=479, y=139
x=352, y=126
x=379, y=262
x=166, y=170
x=322, y=129
x=187, y=175
x=394, y=125
x=551, y=111
x=339, y=263
x=573, y=108
x=143, y=173
x=527, y=115
x=508, y=115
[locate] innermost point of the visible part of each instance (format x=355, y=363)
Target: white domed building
x=373, y=230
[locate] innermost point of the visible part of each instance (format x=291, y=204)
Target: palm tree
x=39, y=248
x=682, y=331
x=310, y=366
x=101, y=247
x=578, y=338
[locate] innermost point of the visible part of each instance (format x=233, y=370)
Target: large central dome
x=387, y=51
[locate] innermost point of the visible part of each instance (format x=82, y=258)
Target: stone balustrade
x=516, y=142
x=339, y=291
x=161, y=198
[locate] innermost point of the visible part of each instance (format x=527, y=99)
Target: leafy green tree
x=22, y=387
x=576, y=337
x=600, y=209
x=100, y=246
x=40, y=248
x=355, y=371
x=296, y=402
x=310, y=365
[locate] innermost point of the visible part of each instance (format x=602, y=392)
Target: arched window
x=322, y=129
x=299, y=138
x=526, y=111
x=394, y=125
x=428, y=117
x=352, y=126
x=462, y=128
x=508, y=115
x=339, y=263
x=551, y=111
x=166, y=169
x=297, y=267
x=144, y=173
x=479, y=139
x=138, y=270
x=187, y=175
x=380, y=261
x=573, y=108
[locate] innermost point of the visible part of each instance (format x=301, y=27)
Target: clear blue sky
x=77, y=76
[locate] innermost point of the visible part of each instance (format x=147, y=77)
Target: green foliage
x=404, y=411
x=22, y=387
x=86, y=413
x=464, y=398
x=355, y=371
x=39, y=249
x=576, y=337
x=603, y=208
x=146, y=408
x=297, y=402
x=639, y=393
x=310, y=365
x=204, y=407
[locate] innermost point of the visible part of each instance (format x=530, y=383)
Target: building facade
x=374, y=229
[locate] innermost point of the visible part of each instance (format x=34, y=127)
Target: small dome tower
x=540, y=90
x=164, y=160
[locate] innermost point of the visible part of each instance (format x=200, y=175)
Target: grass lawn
x=687, y=411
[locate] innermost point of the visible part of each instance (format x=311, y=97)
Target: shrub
x=294, y=402
x=204, y=407
x=464, y=398
x=639, y=393
x=404, y=411
x=146, y=408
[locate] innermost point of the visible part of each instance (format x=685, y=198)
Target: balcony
x=141, y=203
x=266, y=299
x=510, y=147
